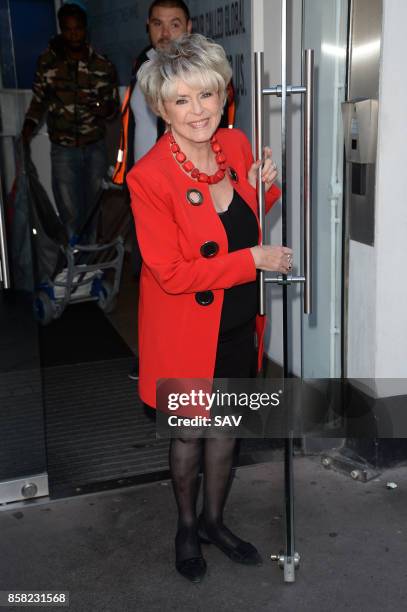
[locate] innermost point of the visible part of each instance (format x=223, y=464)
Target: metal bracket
x=288, y=564
x=288, y=279
x=363, y=472
x=290, y=89
x=24, y=488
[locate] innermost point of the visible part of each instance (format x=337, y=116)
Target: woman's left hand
x=268, y=173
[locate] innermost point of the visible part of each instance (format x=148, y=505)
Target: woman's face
x=194, y=114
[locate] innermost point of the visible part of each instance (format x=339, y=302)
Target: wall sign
x=229, y=24
x=118, y=29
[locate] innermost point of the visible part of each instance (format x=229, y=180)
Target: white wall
x=361, y=311
x=377, y=343
x=391, y=194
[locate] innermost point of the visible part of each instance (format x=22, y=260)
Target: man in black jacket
x=167, y=20
x=141, y=128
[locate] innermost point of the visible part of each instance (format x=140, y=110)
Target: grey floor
x=114, y=551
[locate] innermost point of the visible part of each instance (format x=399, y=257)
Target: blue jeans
x=77, y=174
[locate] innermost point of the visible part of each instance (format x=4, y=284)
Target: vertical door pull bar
x=258, y=110
x=308, y=90
x=307, y=187
x=289, y=560
x=4, y=270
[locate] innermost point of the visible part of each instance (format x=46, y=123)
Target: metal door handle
x=4, y=269
x=258, y=109
x=282, y=90
x=307, y=187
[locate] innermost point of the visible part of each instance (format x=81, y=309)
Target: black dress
x=235, y=357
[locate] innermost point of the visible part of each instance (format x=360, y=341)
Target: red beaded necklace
x=195, y=173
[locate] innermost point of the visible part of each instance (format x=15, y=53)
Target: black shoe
x=188, y=557
x=243, y=552
x=192, y=569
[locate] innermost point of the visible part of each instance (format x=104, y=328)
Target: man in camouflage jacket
x=76, y=88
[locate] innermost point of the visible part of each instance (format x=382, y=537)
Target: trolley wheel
x=44, y=309
x=106, y=300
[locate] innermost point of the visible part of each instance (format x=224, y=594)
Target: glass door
x=311, y=343
x=299, y=83
x=23, y=461
x=325, y=30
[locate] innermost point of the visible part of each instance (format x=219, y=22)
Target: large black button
x=209, y=249
x=204, y=298
x=195, y=197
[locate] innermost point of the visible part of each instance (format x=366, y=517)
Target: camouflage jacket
x=66, y=89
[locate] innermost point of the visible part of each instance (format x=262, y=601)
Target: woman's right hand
x=273, y=258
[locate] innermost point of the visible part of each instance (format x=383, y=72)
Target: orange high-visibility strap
x=119, y=173
x=231, y=105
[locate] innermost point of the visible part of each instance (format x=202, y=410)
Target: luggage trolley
x=80, y=281
x=289, y=559
x=77, y=273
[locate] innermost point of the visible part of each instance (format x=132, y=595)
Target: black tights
x=234, y=359
x=186, y=456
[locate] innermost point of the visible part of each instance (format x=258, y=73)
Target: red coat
x=177, y=335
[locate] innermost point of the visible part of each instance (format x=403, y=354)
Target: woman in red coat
x=195, y=209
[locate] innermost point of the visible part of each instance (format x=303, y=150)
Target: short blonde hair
x=197, y=60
